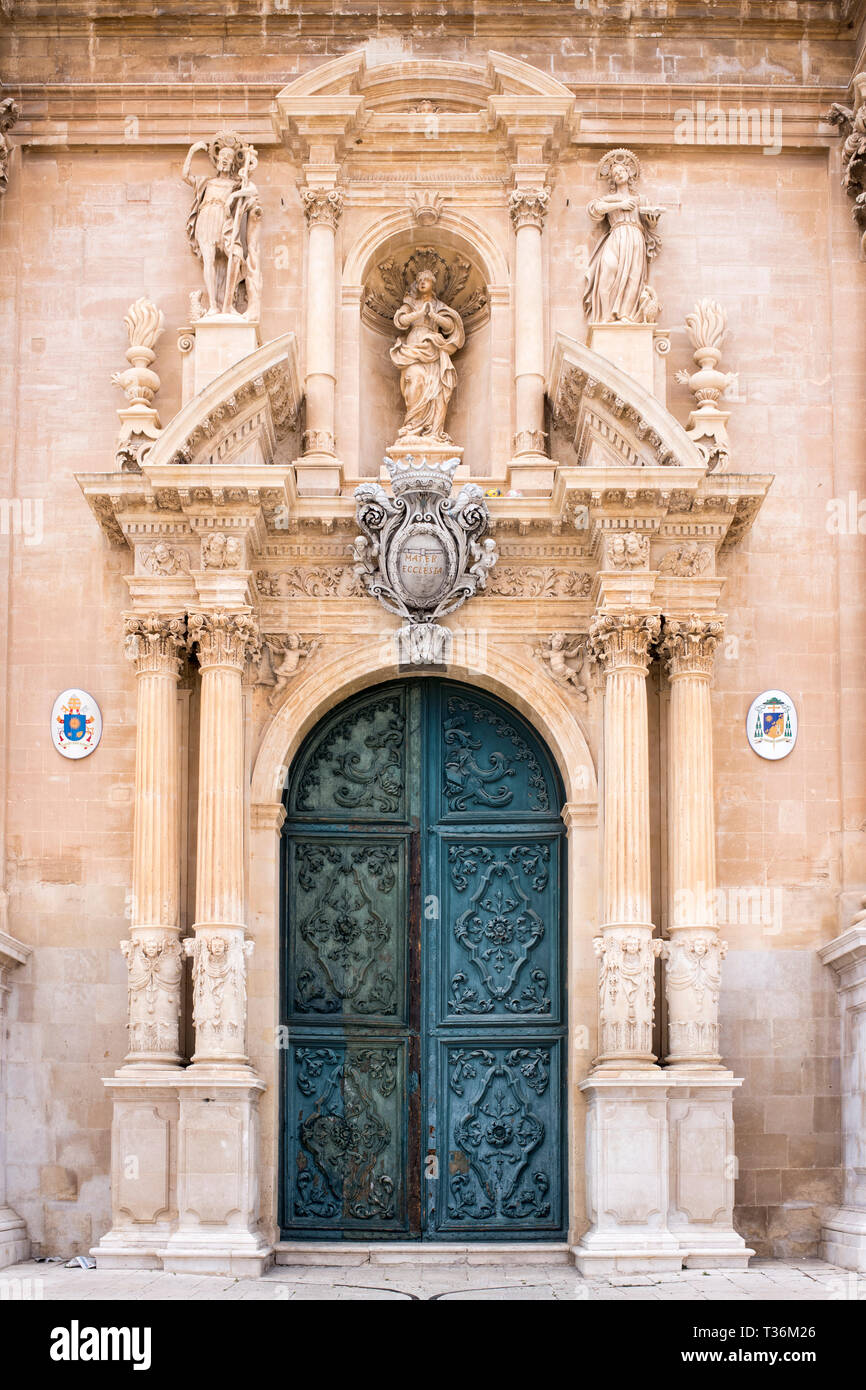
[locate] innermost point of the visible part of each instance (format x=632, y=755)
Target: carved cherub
x=285, y=655
x=565, y=658
x=628, y=551
x=485, y=556
x=161, y=559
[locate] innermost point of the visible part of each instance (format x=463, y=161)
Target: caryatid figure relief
x=224, y=224
x=434, y=332
x=617, y=289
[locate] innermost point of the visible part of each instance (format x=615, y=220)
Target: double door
x=422, y=973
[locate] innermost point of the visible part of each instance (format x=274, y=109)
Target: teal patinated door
x=422, y=978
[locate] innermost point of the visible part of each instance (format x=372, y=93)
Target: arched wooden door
x=423, y=991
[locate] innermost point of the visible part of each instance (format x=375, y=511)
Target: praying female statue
x=617, y=289
x=427, y=374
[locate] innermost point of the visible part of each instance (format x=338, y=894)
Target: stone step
x=350, y=1252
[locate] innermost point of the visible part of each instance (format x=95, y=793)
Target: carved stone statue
x=8, y=116
x=617, y=289
x=427, y=374
x=224, y=224
x=851, y=122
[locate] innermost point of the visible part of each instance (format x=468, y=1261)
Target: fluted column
x=322, y=209
x=219, y=951
x=528, y=207
x=153, y=953
x=621, y=644
x=693, y=953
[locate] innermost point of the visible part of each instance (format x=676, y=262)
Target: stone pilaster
x=152, y=952
x=322, y=209
x=621, y=644
x=224, y=642
x=843, y=1236
x=693, y=952
x=14, y=1240
x=528, y=208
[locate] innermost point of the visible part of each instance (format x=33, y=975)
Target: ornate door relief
x=424, y=1069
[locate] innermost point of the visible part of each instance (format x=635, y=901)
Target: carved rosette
x=626, y=993
x=155, y=969
x=528, y=207
x=323, y=207
x=154, y=643
x=219, y=970
x=693, y=977
x=224, y=639
x=623, y=641
x=688, y=646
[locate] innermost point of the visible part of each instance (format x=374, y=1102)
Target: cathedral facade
x=433, y=583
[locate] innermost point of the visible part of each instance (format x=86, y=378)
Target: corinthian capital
x=622, y=641
x=528, y=207
x=322, y=205
x=224, y=639
x=154, y=643
x=688, y=645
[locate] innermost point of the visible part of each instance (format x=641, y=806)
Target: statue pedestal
x=221, y=340
x=638, y=349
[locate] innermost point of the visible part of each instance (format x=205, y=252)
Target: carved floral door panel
x=422, y=982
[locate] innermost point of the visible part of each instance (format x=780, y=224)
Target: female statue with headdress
x=616, y=279
x=223, y=225
x=434, y=332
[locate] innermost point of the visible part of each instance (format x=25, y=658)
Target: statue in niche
x=617, y=288
x=434, y=332
x=223, y=227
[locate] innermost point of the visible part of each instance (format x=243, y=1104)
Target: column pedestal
x=221, y=340
x=843, y=1237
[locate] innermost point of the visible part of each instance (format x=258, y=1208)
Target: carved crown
x=417, y=473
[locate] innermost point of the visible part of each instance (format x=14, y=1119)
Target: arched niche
x=372, y=406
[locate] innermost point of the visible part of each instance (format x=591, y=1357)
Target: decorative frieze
x=528, y=207
x=626, y=550
x=163, y=559
x=512, y=581
x=687, y=560
x=221, y=552
x=316, y=581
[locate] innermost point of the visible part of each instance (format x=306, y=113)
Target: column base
x=660, y=1172
x=843, y=1240
x=14, y=1240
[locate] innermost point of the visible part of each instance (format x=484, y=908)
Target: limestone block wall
x=780, y=1032
x=84, y=229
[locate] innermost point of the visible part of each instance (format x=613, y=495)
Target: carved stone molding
x=219, y=968
x=528, y=207
x=317, y=581
x=154, y=643
x=155, y=970
x=512, y=581
x=224, y=639
x=693, y=977
x=623, y=641
x=688, y=646
x=322, y=206
x=626, y=991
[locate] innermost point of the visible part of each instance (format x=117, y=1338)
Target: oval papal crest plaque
x=771, y=724
x=76, y=724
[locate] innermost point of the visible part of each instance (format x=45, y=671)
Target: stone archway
x=552, y=714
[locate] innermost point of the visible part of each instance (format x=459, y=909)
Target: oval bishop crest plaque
x=76, y=724
x=771, y=724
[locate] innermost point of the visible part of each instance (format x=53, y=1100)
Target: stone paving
x=788, y=1280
